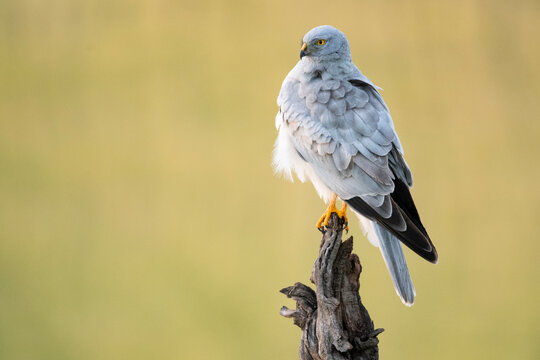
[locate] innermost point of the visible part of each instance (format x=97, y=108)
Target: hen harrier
x=336, y=131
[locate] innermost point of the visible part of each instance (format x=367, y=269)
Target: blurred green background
x=139, y=215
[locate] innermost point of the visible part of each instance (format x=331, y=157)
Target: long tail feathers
x=394, y=258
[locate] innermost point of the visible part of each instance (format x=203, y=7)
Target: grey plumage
x=394, y=259
x=336, y=131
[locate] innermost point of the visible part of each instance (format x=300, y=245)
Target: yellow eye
x=321, y=42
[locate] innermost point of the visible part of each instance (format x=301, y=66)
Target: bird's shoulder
x=341, y=120
x=345, y=109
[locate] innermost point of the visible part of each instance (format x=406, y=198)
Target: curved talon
x=323, y=221
x=343, y=213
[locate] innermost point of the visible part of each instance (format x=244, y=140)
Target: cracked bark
x=335, y=324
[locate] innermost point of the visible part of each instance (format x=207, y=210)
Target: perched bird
x=336, y=131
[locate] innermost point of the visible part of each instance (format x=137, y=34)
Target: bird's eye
x=321, y=42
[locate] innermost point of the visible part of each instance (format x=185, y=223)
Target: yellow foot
x=323, y=221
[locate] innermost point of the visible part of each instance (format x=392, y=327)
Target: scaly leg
x=323, y=221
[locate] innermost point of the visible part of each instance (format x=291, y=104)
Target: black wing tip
x=413, y=237
x=431, y=256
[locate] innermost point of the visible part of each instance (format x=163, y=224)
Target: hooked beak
x=303, y=50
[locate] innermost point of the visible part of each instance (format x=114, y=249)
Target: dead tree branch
x=335, y=325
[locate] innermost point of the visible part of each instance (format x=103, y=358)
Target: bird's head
x=325, y=43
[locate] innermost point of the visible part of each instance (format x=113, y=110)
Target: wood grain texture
x=335, y=324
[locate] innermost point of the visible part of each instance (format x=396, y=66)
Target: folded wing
x=344, y=130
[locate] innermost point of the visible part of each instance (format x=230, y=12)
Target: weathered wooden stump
x=335, y=325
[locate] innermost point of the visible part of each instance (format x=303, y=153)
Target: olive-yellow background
x=139, y=215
